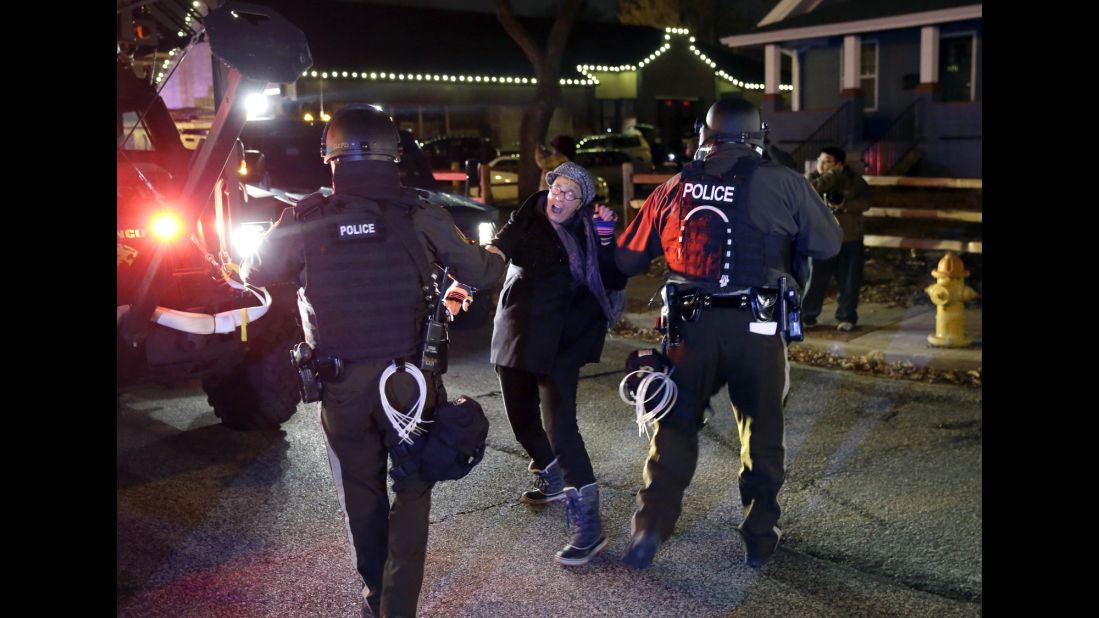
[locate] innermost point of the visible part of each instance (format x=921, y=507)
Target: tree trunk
x=547, y=69
x=532, y=132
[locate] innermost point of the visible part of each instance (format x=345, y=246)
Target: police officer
x=362, y=300
x=729, y=224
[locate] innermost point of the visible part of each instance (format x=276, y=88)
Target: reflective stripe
x=723, y=216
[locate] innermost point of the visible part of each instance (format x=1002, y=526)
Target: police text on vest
x=709, y=193
x=357, y=230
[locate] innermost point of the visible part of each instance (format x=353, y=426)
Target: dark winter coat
x=545, y=319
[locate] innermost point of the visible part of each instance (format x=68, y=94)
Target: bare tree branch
x=559, y=34
x=519, y=34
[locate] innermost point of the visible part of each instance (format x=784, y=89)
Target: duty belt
x=742, y=302
x=779, y=304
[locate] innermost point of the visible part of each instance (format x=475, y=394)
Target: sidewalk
x=891, y=334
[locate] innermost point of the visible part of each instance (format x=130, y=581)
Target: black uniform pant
x=847, y=266
x=718, y=350
x=389, y=541
x=556, y=392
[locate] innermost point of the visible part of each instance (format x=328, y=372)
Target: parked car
x=607, y=164
x=504, y=176
x=442, y=152
x=634, y=146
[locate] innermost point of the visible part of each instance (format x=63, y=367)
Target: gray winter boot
x=549, y=483
x=582, y=516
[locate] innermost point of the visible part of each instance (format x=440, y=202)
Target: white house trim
x=894, y=22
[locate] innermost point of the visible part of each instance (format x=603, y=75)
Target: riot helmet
x=360, y=132
x=732, y=120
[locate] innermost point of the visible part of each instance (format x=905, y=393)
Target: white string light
x=586, y=70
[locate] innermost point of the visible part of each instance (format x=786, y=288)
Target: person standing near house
x=845, y=192
x=731, y=225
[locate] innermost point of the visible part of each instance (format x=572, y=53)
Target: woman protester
x=561, y=294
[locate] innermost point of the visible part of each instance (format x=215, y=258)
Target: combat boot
x=759, y=548
x=642, y=546
x=582, y=517
x=549, y=484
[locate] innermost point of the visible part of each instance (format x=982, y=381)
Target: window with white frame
x=868, y=74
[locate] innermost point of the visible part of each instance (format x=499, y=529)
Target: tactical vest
x=716, y=242
x=363, y=286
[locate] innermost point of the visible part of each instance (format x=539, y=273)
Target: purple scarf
x=584, y=267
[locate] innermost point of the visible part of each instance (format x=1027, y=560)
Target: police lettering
x=357, y=230
x=709, y=193
x=131, y=233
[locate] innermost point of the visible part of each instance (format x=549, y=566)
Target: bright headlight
x=246, y=238
x=485, y=232
x=166, y=226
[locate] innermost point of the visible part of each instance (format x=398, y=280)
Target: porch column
x=852, y=63
x=795, y=73
x=772, y=65
x=929, y=60
x=852, y=67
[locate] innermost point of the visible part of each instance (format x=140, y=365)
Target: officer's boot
x=582, y=515
x=549, y=484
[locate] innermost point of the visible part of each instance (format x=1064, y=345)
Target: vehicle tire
x=261, y=392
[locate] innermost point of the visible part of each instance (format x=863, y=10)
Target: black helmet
x=733, y=120
x=360, y=132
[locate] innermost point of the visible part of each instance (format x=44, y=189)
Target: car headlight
x=486, y=231
x=246, y=238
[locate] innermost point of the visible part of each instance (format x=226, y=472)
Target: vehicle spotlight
x=166, y=226
x=256, y=104
x=246, y=238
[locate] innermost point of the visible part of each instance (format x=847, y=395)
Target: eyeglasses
x=567, y=195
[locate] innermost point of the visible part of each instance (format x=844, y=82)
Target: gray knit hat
x=577, y=174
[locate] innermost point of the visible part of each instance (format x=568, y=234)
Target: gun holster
x=313, y=372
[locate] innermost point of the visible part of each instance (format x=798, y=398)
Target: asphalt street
x=882, y=510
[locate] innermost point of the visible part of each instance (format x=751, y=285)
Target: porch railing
x=881, y=157
x=832, y=132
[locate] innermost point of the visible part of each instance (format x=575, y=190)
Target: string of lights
x=587, y=70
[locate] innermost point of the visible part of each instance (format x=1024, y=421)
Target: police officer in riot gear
x=730, y=225
x=363, y=297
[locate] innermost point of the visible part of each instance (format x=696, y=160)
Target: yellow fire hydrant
x=949, y=294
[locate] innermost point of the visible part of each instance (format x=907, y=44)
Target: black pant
x=389, y=542
x=847, y=266
x=718, y=350
x=556, y=391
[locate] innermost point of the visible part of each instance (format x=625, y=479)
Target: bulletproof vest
x=717, y=243
x=361, y=283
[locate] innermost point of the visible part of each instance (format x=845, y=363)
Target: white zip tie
x=405, y=424
x=666, y=390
